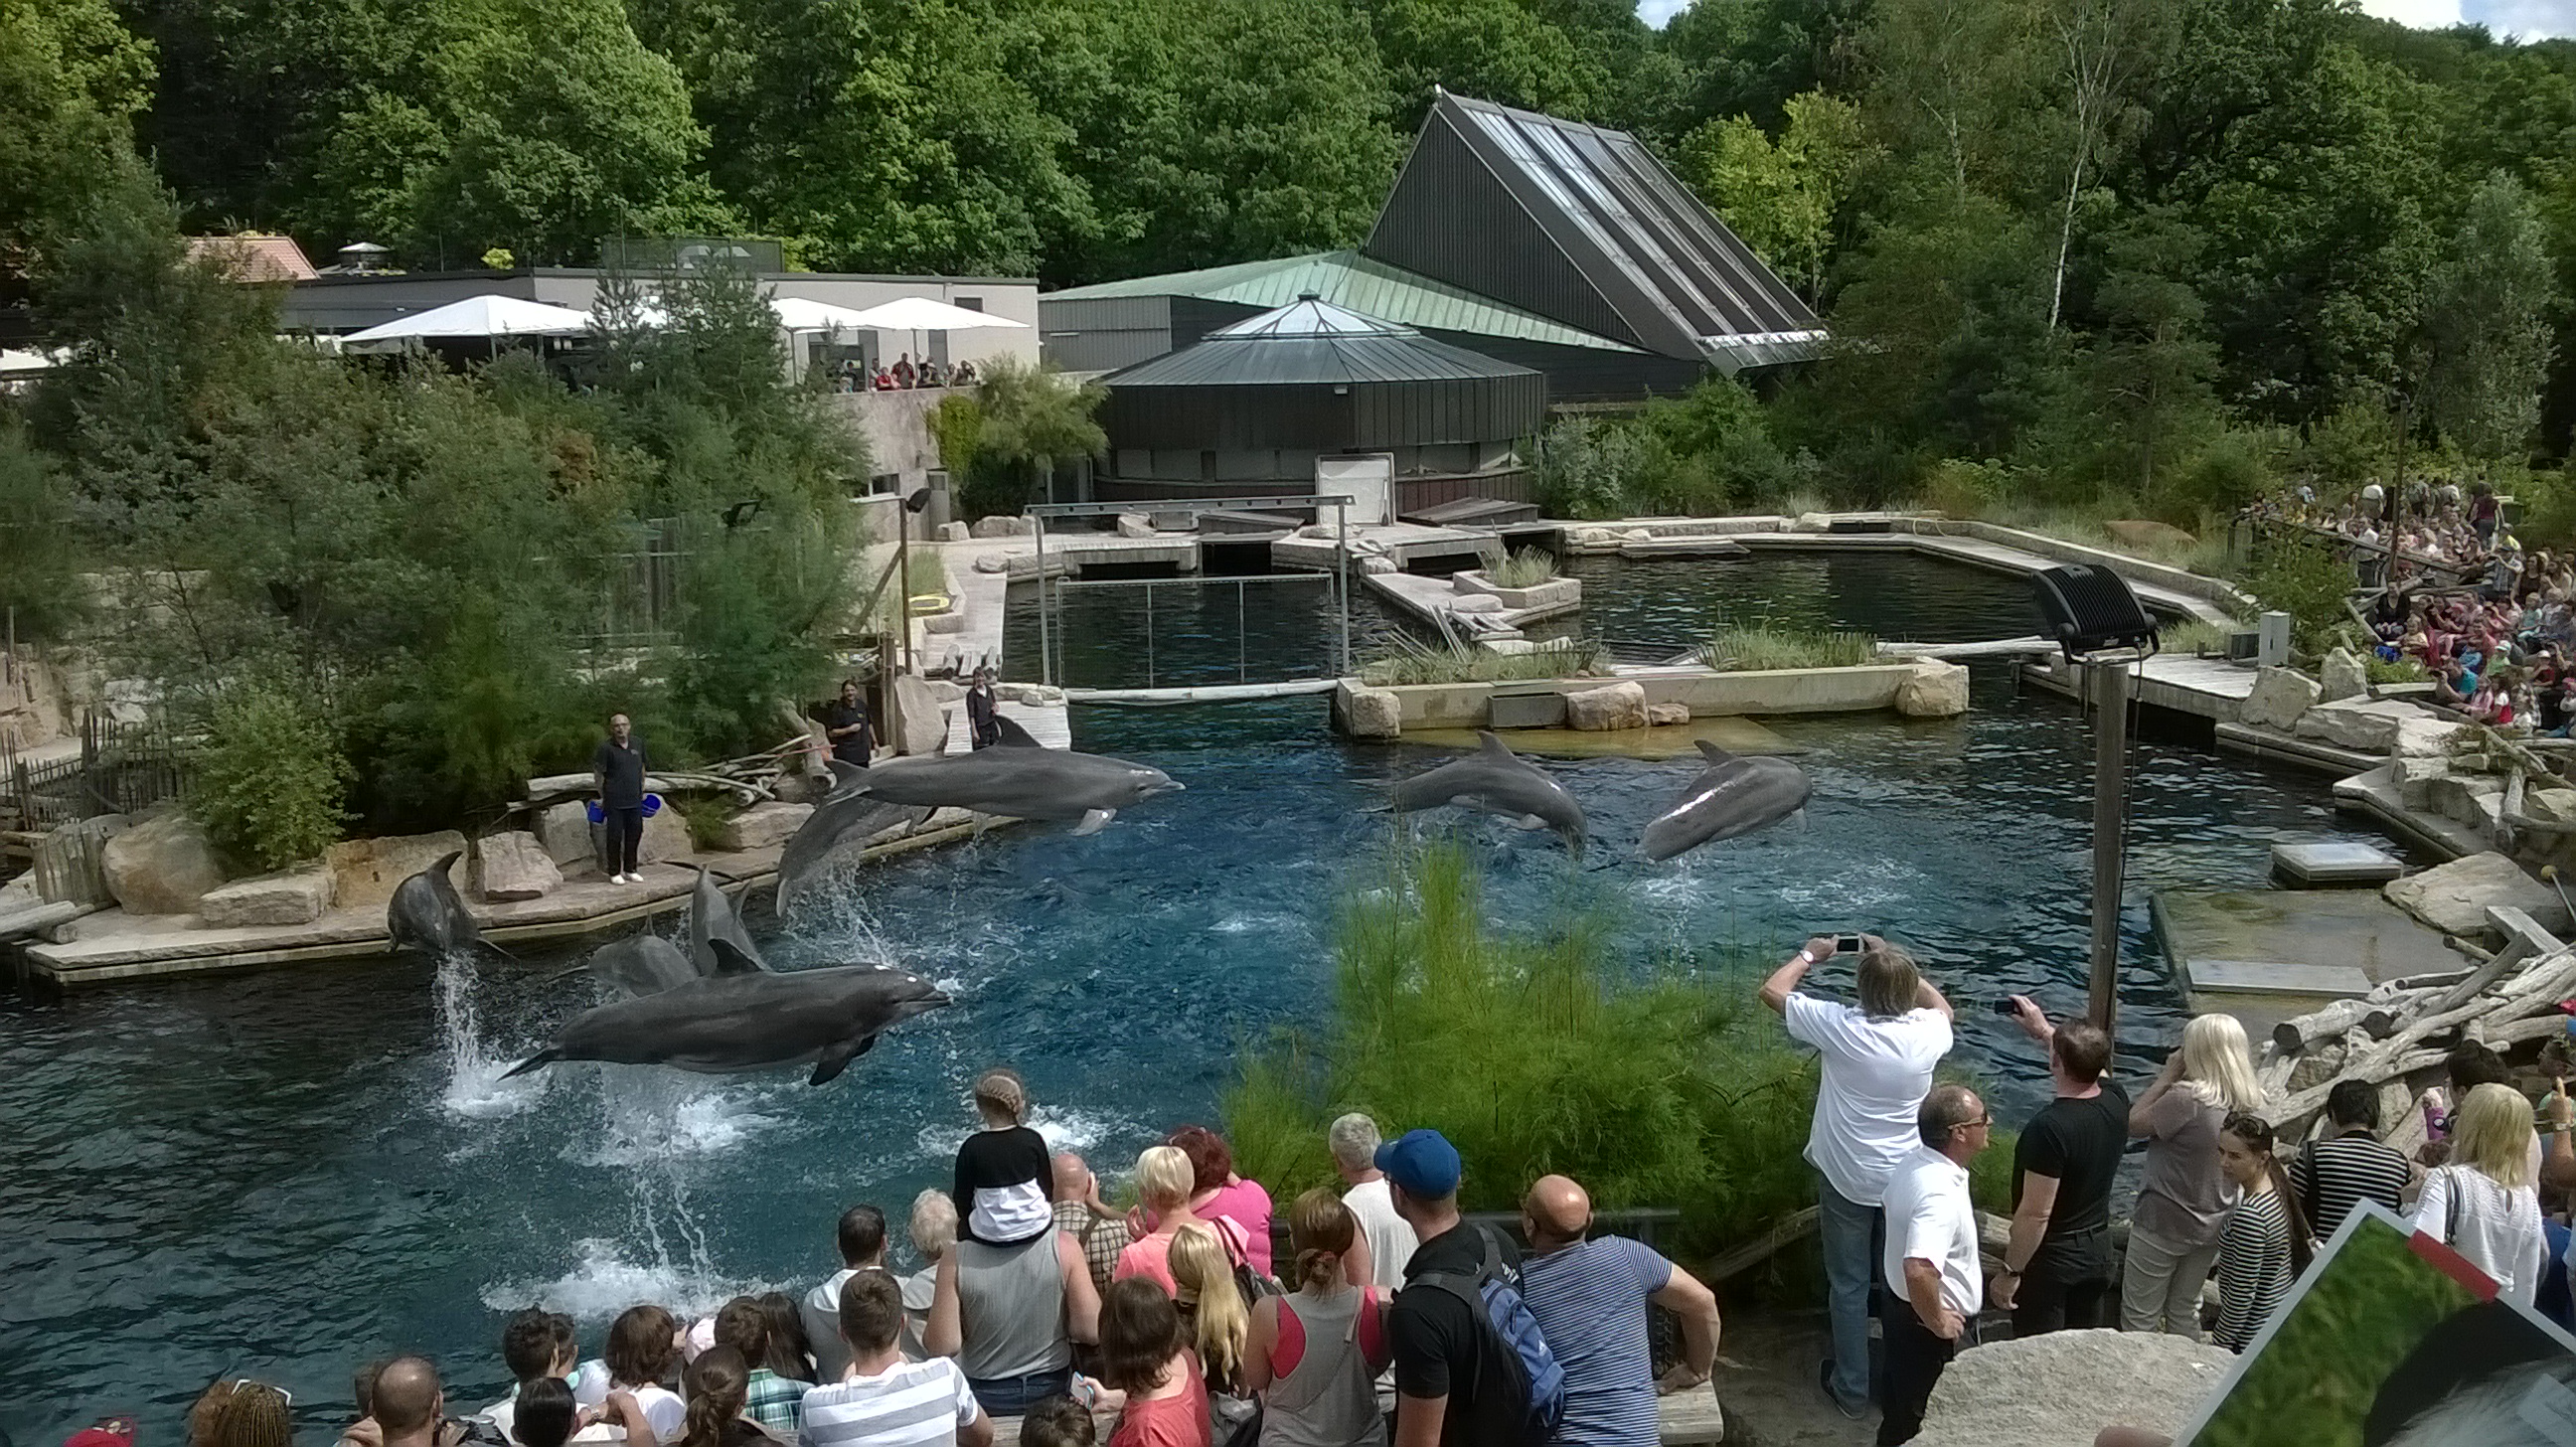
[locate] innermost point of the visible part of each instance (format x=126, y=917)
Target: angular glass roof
x=1311, y=316
x=1359, y=283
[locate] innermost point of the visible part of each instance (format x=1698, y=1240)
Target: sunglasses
x=1986, y=1120
x=244, y=1384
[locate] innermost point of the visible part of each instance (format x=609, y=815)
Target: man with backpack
x=1471, y=1369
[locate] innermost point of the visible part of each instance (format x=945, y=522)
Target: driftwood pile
x=2408, y=1025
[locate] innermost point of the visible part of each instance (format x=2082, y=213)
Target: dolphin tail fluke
x=542, y=1058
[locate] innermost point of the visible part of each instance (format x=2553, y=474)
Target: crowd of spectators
x=856, y=376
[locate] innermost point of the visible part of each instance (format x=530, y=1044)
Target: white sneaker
x=621, y=879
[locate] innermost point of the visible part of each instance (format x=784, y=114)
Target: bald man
x=408, y=1402
x=1590, y=1298
x=1080, y=1214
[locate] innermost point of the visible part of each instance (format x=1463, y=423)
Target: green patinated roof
x=1348, y=279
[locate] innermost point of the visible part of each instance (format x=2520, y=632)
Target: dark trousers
x=2071, y=1283
x=1915, y=1359
x=1013, y=1396
x=625, y=835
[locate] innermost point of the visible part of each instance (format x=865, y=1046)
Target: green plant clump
x=1457, y=661
x=269, y=784
x=706, y=816
x=1736, y=649
x=1523, y=568
x=1533, y=1056
x=2309, y=583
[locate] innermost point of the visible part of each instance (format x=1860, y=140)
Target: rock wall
x=2058, y=1390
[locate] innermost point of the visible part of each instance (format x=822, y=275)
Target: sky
x=2531, y=19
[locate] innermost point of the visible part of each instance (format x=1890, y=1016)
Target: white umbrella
x=17, y=364
x=476, y=316
x=796, y=314
x=921, y=314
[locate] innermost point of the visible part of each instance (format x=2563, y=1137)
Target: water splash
x=606, y=1277
x=1063, y=1130
x=475, y=1089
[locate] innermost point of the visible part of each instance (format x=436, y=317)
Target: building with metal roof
x=1250, y=407
x=1555, y=245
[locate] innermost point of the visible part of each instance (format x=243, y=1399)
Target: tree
x=1494, y=50
x=71, y=80
x=2151, y=361
x=2098, y=48
x=1033, y=418
x=2487, y=319
x=1950, y=78
x=1784, y=199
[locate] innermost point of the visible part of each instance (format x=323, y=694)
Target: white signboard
x=1368, y=479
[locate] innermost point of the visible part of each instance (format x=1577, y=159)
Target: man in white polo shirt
x=1878, y=1059
x=1930, y=1265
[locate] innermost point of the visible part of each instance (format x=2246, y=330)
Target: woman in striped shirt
x=2265, y=1242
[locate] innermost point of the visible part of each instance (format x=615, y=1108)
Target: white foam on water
x=649, y=1114
x=1064, y=1128
x=1244, y=924
x=475, y=1089
x=605, y=1279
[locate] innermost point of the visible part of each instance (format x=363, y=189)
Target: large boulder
x=2550, y=806
x=565, y=832
x=2455, y=897
x=1369, y=713
x=512, y=865
x=2059, y=1389
x=1135, y=525
x=2476, y=800
x=919, y=723
x=1664, y=715
x=161, y=865
x=1933, y=688
x=950, y=533
x=764, y=826
x=2368, y=726
x=1004, y=527
x=2144, y=533
x=1476, y=603
x=288, y=897
x=666, y=839
x=2280, y=696
x=2343, y=674
x=1608, y=708
x=365, y=872
x=2421, y=735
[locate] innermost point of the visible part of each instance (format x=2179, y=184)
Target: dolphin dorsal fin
x=447, y=861
x=1486, y=742
x=1012, y=736
x=1715, y=754
x=730, y=960
x=846, y=775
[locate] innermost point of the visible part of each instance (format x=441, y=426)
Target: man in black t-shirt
x=618, y=772
x=1453, y=1385
x=2057, y=1266
x=845, y=723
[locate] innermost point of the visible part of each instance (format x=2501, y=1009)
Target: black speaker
x=2089, y=608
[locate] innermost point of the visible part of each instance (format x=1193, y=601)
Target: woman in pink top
x=1141, y=1355
x=1163, y=1194
x=1218, y=1191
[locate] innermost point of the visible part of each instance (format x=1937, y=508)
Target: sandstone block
x=2344, y=675
x=68, y=861
x=1607, y=709
x=764, y=826
x=2365, y=725
x=1476, y=603
x=1370, y=713
x=564, y=831
x=2415, y=778
x=919, y=723
x=2424, y=736
x=993, y=563
x=1933, y=689
x=2470, y=798
x=513, y=865
x=2551, y=806
x=950, y=533
x=944, y=623
x=1659, y=715
x=2059, y=1389
x=2280, y=696
x=666, y=839
x=2454, y=897
x=161, y=865
x=1135, y=525
x=1004, y=527
x=1377, y=565
x=365, y=871
x=291, y=896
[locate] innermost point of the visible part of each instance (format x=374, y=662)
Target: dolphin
x=745, y=1018
x=711, y=918
x=427, y=914
x=844, y=817
x=1018, y=777
x=1731, y=796
x=1497, y=781
x=645, y=965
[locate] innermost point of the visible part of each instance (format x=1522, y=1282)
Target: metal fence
x=121, y=768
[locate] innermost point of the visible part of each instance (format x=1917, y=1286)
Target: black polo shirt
x=621, y=773
x=2078, y=1144
x=1442, y=1349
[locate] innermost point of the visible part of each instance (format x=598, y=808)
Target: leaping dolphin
x=711, y=918
x=1732, y=796
x=1497, y=781
x=1017, y=777
x=645, y=965
x=843, y=818
x=745, y=1018
x=427, y=914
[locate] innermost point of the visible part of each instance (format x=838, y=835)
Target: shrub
x=1523, y=568
x=1733, y=648
x=2308, y=582
x=1586, y=468
x=706, y=816
x=39, y=560
x=1532, y=1056
x=270, y=780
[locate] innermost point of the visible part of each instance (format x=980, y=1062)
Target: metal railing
x=1242, y=629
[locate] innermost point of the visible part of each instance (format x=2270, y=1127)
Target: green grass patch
x=2404, y=670
x=2197, y=635
x=706, y=816
x=1458, y=661
x=1664, y=1087
x=1522, y=568
x=1738, y=648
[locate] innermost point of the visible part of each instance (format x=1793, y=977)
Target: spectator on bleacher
x=1144, y=1356
x=1082, y=1215
x=2348, y=1165
x=861, y=1237
x=2484, y=1202
x=882, y=1400
x=1163, y=1187
x=1218, y=1194
x=535, y=1346
x=1011, y=1314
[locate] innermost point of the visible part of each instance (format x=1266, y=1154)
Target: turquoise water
x=286, y=1172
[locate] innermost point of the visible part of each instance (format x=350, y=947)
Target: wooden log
x=2516, y=950
x=1753, y=1253
x=2539, y=987
x=2304, y=1031
x=42, y=917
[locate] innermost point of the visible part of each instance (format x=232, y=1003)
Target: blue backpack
x=1493, y=1294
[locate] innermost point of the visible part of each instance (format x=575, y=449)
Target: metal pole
x=1149, y=633
x=1342, y=544
x=2110, y=692
x=903, y=588
x=1046, y=660
x=1240, y=675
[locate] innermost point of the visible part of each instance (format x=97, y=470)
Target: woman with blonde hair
x=1164, y=1183
x=1314, y=1355
x=1213, y=1312
x=2183, y=1195
x=2484, y=1203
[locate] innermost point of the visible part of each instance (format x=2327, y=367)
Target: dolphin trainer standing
x=979, y=711
x=845, y=723
x=618, y=772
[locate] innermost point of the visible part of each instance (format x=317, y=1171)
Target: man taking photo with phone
x=1878, y=1060
x=2058, y=1271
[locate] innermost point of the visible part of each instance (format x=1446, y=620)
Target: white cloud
x=2530, y=19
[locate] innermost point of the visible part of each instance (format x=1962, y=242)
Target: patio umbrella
x=489, y=317
x=918, y=314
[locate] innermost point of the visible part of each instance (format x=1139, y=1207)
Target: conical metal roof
x=1311, y=316
x=1307, y=342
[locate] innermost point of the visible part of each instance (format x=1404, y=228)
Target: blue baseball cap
x=1422, y=1162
